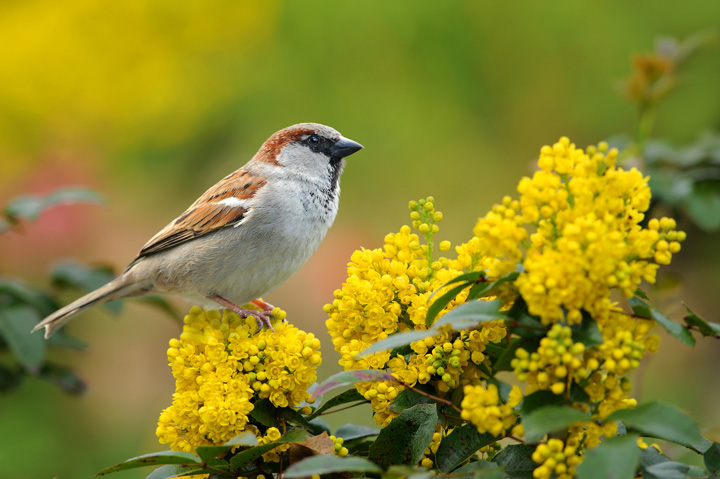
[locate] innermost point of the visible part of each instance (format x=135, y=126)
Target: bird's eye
x=314, y=140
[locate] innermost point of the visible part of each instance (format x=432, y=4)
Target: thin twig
x=444, y=401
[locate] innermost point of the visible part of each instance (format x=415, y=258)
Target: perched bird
x=244, y=236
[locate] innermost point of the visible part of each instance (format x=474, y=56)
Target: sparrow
x=244, y=236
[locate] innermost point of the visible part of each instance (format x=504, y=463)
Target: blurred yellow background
x=150, y=103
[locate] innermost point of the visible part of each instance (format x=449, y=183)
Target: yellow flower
x=222, y=366
x=482, y=407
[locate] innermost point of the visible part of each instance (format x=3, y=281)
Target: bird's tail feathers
x=116, y=289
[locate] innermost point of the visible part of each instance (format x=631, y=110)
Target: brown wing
x=209, y=213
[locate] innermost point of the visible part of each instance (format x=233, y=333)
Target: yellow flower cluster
x=482, y=407
x=557, y=361
x=586, y=215
x=222, y=365
x=556, y=460
x=388, y=291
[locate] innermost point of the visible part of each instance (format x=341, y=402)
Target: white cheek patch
x=232, y=202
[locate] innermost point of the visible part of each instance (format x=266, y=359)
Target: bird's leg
x=267, y=308
x=262, y=317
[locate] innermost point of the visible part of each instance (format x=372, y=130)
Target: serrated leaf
x=153, y=459
x=249, y=455
x=706, y=328
x=615, y=458
x=330, y=464
x=547, y=419
x=355, y=431
x=397, y=340
x=349, y=378
x=470, y=315
x=351, y=395
x=460, y=445
x=440, y=303
x=644, y=310
x=405, y=439
x=16, y=322
x=675, y=329
x=207, y=453
x=516, y=459
x=587, y=332
x=712, y=459
x=29, y=207
x=662, y=421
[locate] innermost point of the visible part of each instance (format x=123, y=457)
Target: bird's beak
x=344, y=147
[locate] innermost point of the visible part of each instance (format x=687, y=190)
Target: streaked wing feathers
x=209, y=213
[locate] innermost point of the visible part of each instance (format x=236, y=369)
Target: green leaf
x=587, y=332
x=173, y=470
x=64, y=378
x=409, y=398
x=547, y=419
x=330, y=464
x=480, y=290
x=524, y=324
x=471, y=314
x=615, y=458
x=351, y=395
x=540, y=399
x=662, y=421
x=468, y=278
x=641, y=294
x=440, y=303
x=397, y=340
x=29, y=207
x=677, y=330
x=479, y=469
x=666, y=470
x=16, y=322
x=42, y=303
x=249, y=455
x=265, y=413
x=246, y=438
x=405, y=439
x=516, y=460
x=712, y=459
x=153, y=459
x=349, y=378
x=706, y=328
x=640, y=307
x=355, y=431
x=460, y=445
x=703, y=206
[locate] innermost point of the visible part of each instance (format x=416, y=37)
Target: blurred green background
x=152, y=102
